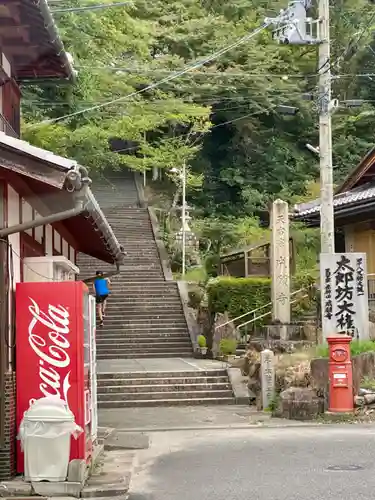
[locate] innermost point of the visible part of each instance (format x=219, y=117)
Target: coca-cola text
x=51, y=345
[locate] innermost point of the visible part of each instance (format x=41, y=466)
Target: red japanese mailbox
x=341, y=398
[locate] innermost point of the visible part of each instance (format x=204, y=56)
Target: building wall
x=11, y=96
x=37, y=241
x=361, y=238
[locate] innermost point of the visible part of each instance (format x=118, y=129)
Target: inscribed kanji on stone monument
x=344, y=295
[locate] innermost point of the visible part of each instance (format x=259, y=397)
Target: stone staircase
x=144, y=317
x=139, y=389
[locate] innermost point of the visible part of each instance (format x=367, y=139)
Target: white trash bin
x=45, y=433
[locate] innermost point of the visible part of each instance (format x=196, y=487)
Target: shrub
x=238, y=295
x=228, y=346
x=356, y=347
x=195, y=297
x=202, y=341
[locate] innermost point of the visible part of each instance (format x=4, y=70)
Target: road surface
x=306, y=463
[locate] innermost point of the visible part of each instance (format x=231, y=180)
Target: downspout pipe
x=41, y=221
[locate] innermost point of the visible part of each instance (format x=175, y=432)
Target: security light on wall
x=287, y=110
x=313, y=149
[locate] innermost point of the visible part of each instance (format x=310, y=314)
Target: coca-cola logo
x=51, y=345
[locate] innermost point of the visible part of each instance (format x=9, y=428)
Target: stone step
x=179, y=339
x=167, y=331
x=162, y=374
x=133, y=335
x=162, y=285
x=158, y=381
x=144, y=233
x=132, y=326
x=138, y=278
x=145, y=345
x=150, y=301
x=139, y=355
x=129, y=321
x=139, y=286
x=146, y=295
x=118, y=314
x=135, y=324
x=144, y=329
x=154, y=290
x=129, y=312
x=160, y=347
x=146, y=303
x=149, y=253
x=193, y=394
x=150, y=317
x=163, y=388
x=130, y=293
x=167, y=402
x=142, y=271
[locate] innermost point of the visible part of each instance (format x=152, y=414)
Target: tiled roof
x=360, y=194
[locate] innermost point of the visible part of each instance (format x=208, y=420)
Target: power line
x=198, y=73
x=187, y=69
x=349, y=45
x=248, y=115
x=91, y=7
x=210, y=99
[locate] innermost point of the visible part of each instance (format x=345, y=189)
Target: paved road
x=258, y=464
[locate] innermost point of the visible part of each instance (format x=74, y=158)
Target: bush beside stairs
x=145, y=317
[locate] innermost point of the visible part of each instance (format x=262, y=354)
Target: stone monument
x=280, y=264
x=267, y=377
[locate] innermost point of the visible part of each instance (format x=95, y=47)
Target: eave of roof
x=354, y=198
x=42, y=55
x=360, y=170
x=45, y=180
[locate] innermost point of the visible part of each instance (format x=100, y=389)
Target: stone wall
x=363, y=366
x=7, y=445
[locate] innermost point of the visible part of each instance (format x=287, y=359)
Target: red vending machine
x=54, y=334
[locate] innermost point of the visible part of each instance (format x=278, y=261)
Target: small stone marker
x=267, y=369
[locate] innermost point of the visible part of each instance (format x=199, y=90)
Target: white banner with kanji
x=344, y=295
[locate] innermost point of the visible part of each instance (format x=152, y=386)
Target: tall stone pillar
x=280, y=259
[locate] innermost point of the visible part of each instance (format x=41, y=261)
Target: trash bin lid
x=49, y=409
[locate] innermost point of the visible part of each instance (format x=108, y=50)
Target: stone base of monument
x=299, y=403
x=295, y=331
x=279, y=346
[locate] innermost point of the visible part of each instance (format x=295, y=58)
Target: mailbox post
x=341, y=397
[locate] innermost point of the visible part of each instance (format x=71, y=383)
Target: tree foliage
x=223, y=118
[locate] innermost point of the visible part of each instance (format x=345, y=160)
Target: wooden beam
x=9, y=32
x=11, y=2
x=15, y=50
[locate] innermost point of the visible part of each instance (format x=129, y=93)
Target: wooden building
x=354, y=204
x=47, y=210
x=253, y=260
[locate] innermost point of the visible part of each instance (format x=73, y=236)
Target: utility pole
x=183, y=218
x=327, y=230
x=291, y=29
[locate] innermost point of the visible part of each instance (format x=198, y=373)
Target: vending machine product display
x=56, y=354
